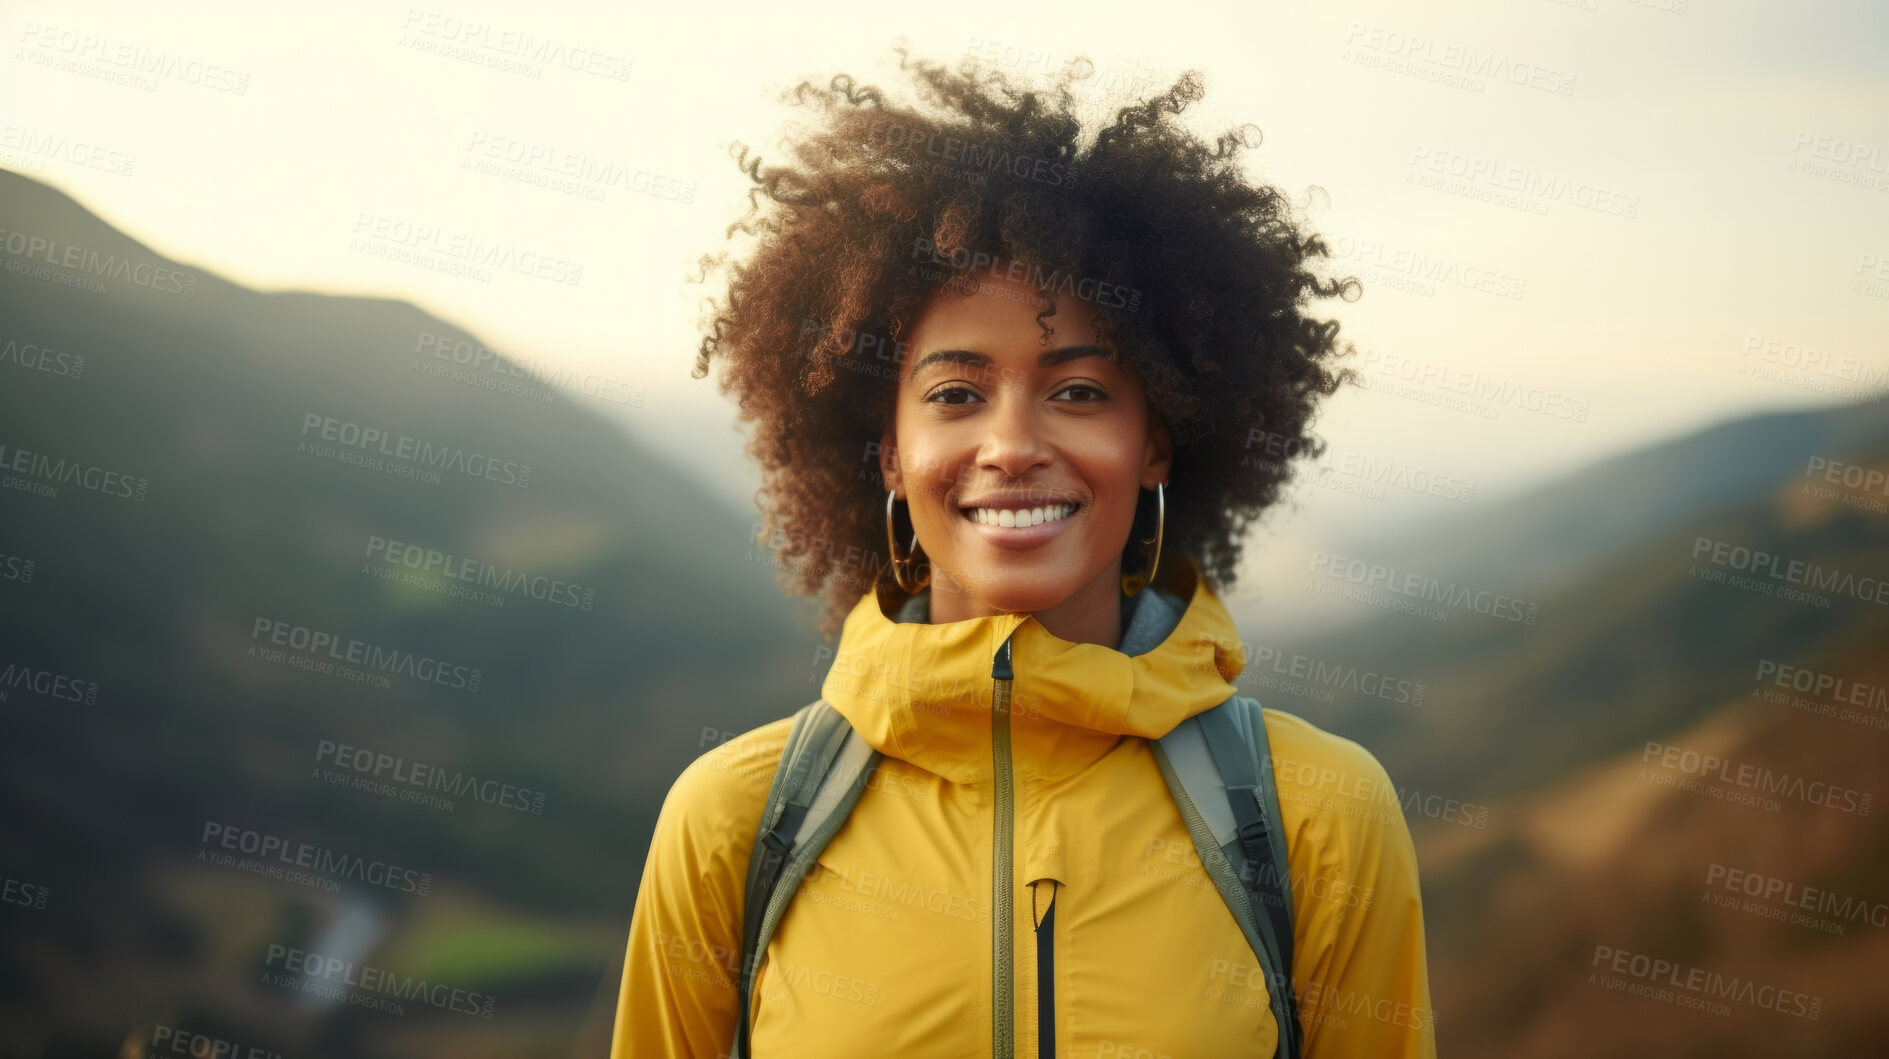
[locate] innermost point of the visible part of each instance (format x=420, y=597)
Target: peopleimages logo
x=22, y=893
x=151, y=276
x=1532, y=190
x=1858, y=483
x=432, y=562
x=964, y=262
x=1809, y=898
x=17, y=568
x=499, y=40
x=976, y=158
x=42, y=475
x=1757, y=778
x=1486, y=394
x=350, y=442
x=1824, y=694
x=1452, y=63
x=78, y=49
x=1425, y=588
x=1351, y=794
x=428, y=245
x=274, y=854
x=489, y=369
x=34, y=357
x=1844, y=690
x=1326, y=674
x=546, y=165
x=33, y=147
x=1381, y=260
x=1183, y=853
x=415, y=777
x=47, y=683
x=1705, y=987
x=364, y=985
x=301, y=638
x=1737, y=557
x=171, y=1040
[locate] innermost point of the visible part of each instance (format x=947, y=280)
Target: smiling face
x=993, y=427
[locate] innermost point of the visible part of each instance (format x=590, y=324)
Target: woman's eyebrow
x=1047, y=359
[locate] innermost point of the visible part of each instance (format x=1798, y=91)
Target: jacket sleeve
x=1361, y=972
x=678, y=995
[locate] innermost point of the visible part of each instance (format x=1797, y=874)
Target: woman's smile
x=1022, y=527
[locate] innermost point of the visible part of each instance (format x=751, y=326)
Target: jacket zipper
x=1002, y=1046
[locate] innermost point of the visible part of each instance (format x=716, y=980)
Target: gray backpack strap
x=1218, y=766
x=823, y=769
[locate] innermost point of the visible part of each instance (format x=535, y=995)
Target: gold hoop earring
x=902, y=566
x=1134, y=583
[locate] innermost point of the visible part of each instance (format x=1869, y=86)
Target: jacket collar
x=922, y=692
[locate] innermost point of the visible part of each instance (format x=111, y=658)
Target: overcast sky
x=1608, y=208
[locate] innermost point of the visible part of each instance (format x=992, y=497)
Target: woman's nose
x=1015, y=441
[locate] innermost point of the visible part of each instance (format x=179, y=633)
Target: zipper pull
x=1000, y=665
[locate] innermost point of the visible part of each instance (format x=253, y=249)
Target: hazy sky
x=1605, y=209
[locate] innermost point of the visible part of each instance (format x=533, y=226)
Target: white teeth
x=1034, y=516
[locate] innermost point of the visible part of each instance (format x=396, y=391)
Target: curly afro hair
x=1198, y=280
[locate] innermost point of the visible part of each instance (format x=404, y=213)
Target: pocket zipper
x=1045, y=971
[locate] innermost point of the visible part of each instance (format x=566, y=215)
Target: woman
x=1079, y=371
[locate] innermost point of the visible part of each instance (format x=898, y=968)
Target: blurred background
x=370, y=564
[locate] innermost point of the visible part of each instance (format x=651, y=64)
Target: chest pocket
x=1136, y=951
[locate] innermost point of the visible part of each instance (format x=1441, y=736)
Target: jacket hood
x=922, y=692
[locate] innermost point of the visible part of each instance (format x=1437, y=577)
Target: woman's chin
x=1016, y=586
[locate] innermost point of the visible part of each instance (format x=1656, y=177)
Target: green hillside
x=621, y=616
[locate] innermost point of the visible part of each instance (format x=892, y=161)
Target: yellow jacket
x=888, y=947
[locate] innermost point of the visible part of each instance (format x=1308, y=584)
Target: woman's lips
x=1017, y=537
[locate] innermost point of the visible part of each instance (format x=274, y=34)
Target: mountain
x=1637, y=644
x=1549, y=534
x=1760, y=879
x=194, y=492
x=1559, y=783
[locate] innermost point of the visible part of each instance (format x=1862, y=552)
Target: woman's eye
x=936, y=394
x=1087, y=394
